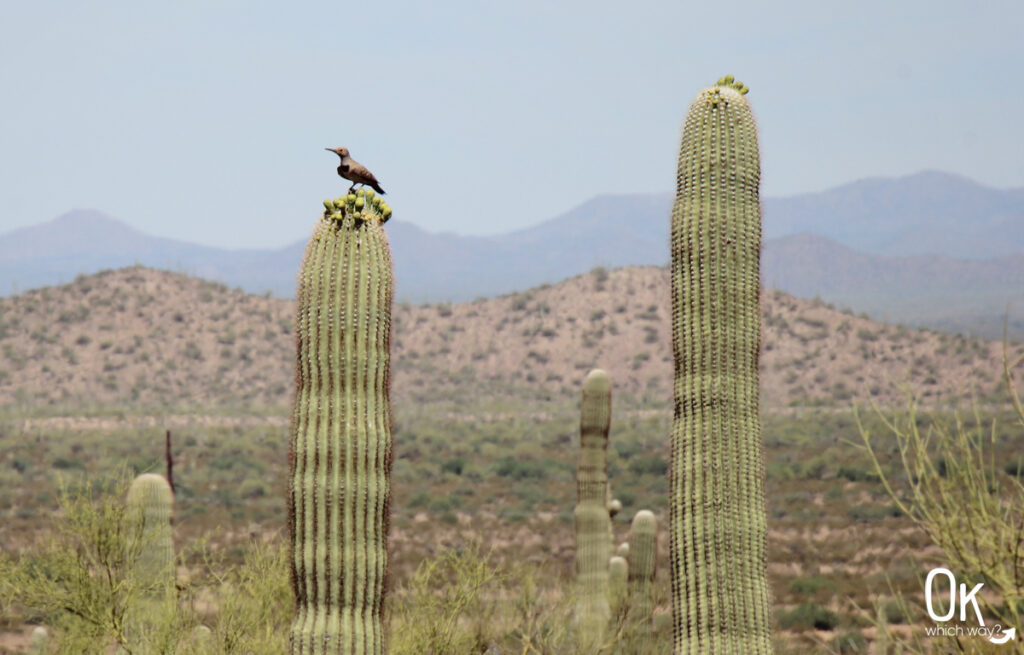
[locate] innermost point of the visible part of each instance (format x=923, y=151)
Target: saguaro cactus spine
x=717, y=516
x=593, y=525
x=340, y=457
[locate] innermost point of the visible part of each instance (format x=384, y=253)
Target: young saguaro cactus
x=717, y=520
x=150, y=550
x=150, y=505
x=593, y=525
x=38, y=643
x=340, y=457
x=642, y=565
x=618, y=577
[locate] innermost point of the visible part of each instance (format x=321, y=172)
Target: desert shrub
x=443, y=503
x=1015, y=467
x=252, y=488
x=811, y=585
x=872, y=512
x=68, y=463
x=455, y=465
x=254, y=600
x=21, y=463
x=649, y=465
x=419, y=499
x=812, y=469
x=444, y=609
x=517, y=469
x=807, y=616
x=964, y=503
x=850, y=643
x=78, y=579
x=625, y=449
x=895, y=612
x=856, y=474
x=779, y=470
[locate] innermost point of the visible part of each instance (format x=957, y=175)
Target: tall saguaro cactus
x=717, y=522
x=340, y=457
x=593, y=546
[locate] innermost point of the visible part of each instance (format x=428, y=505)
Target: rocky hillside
x=147, y=340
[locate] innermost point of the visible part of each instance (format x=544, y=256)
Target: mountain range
x=930, y=249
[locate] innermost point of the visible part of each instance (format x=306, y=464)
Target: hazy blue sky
x=207, y=120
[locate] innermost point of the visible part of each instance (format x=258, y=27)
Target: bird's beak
x=331, y=150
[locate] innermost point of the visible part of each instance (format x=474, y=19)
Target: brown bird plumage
x=352, y=170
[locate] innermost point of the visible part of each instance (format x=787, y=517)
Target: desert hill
x=930, y=249
x=161, y=342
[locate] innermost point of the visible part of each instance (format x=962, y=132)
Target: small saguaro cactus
x=593, y=546
x=717, y=520
x=149, y=542
x=150, y=505
x=642, y=565
x=202, y=640
x=340, y=456
x=38, y=643
x=618, y=577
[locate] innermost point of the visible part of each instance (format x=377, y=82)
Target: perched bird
x=350, y=169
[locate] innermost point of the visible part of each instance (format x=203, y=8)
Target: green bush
x=455, y=465
x=649, y=465
x=954, y=488
x=810, y=586
x=850, y=643
x=1015, y=467
x=68, y=463
x=442, y=504
x=872, y=512
x=813, y=469
x=807, y=616
x=21, y=463
x=57, y=582
x=856, y=474
x=419, y=499
x=443, y=610
x=510, y=467
x=895, y=612
x=252, y=488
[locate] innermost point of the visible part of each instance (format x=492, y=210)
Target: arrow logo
x=1008, y=635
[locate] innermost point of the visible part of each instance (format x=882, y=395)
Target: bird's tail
x=376, y=187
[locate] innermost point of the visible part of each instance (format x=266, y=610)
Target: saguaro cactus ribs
x=340, y=455
x=717, y=522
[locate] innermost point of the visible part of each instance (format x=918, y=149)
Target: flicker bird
x=352, y=170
